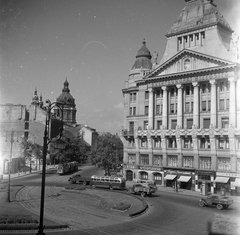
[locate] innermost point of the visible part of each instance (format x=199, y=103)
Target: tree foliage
x=30, y=150
x=107, y=152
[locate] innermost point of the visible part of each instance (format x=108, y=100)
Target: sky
x=92, y=43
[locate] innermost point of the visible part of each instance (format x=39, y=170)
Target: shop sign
x=228, y=174
x=178, y=172
x=150, y=168
x=131, y=166
x=204, y=172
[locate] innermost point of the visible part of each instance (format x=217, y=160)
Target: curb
x=20, y=227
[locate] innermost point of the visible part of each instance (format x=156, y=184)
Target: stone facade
x=182, y=117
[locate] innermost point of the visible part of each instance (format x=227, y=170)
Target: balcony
x=127, y=133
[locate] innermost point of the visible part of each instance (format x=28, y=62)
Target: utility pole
x=10, y=167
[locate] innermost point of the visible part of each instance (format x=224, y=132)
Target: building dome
x=66, y=97
x=143, y=58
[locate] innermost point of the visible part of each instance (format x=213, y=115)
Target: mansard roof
x=198, y=14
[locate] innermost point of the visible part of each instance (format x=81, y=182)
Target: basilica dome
x=65, y=96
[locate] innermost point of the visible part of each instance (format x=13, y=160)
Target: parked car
x=146, y=188
x=216, y=200
x=79, y=179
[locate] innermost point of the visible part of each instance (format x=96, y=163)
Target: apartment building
x=182, y=116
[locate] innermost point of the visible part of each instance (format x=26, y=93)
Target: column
x=150, y=111
x=179, y=106
x=196, y=104
x=232, y=102
x=165, y=105
x=213, y=103
x=238, y=103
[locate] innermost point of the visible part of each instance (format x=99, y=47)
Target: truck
x=216, y=200
x=144, y=189
x=79, y=179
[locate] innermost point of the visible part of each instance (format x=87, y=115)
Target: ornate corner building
x=182, y=116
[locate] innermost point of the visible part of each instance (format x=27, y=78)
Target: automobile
x=79, y=179
x=145, y=188
x=221, y=202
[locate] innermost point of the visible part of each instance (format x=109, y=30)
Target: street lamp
x=46, y=141
x=10, y=165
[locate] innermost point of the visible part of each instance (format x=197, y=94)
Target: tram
x=67, y=167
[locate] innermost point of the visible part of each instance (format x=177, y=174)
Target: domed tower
x=35, y=100
x=141, y=66
x=69, y=110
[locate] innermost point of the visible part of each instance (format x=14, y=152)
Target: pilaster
x=196, y=104
x=180, y=106
x=213, y=103
x=165, y=107
x=232, y=102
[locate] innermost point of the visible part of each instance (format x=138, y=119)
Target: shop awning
x=183, y=178
x=170, y=177
x=223, y=180
x=236, y=183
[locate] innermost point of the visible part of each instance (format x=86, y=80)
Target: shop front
x=179, y=178
x=204, y=181
x=227, y=183
x=130, y=171
x=150, y=173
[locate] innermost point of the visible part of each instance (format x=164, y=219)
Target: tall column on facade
x=179, y=106
x=165, y=105
x=232, y=102
x=213, y=103
x=150, y=105
x=196, y=104
x=238, y=103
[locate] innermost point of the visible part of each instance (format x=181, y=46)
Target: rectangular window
x=221, y=104
x=171, y=108
x=204, y=88
x=206, y=123
x=158, y=93
x=134, y=110
x=209, y=105
x=146, y=95
x=173, y=124
x=131, y=97
x=159, y=123
x=145, y=125
x=187, y=90
x=172, y=91
x=227, y=104
x=130, y=111
x=204, y=106
x=205, y=163
x=26, y=125
x=188, y=161
x=225, y=122
x=157, y=160
x=221, y=86
x=146, y=110
x=172, y=161
x=189, y=123
x=134, y=96
x=187, y=107
x=158, y=109
x=172, y=142
x=144, y=160
x=224, y=164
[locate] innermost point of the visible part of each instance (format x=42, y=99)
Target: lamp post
x=10, y=165
x=46, y=141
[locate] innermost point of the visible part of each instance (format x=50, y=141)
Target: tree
x=30, y=150
x=107, y=152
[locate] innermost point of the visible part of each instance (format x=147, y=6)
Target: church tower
x=69, y=110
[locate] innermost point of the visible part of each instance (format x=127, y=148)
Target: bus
x=111, y=182
x=67, y=167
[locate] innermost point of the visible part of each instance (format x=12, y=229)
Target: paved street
x=89, y=211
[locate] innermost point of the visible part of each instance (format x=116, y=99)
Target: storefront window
x=157, y=160
x=172, y=161
x=205, y=163
x=224, y=164
x=144, y=160
x=188, y=161
x=144, y=175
